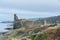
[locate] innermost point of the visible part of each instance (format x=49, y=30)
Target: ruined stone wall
x=24, y=22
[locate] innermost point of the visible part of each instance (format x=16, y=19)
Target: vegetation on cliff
x=33, y=33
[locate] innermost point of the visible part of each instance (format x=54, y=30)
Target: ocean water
x=3, y=26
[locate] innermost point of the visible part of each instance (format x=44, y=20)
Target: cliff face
x=51, y=20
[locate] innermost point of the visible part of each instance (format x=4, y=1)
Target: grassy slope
x=44, y=35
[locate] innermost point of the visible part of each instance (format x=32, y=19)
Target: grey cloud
x=32, y=5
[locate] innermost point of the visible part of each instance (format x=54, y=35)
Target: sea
x=3, y=26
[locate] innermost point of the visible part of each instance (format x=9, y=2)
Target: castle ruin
x=25, y=22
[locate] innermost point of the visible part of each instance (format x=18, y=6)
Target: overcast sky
x=29, y=8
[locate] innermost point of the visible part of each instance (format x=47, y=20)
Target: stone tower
x=17, y=22
x=15, y=17
x=45, y=22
